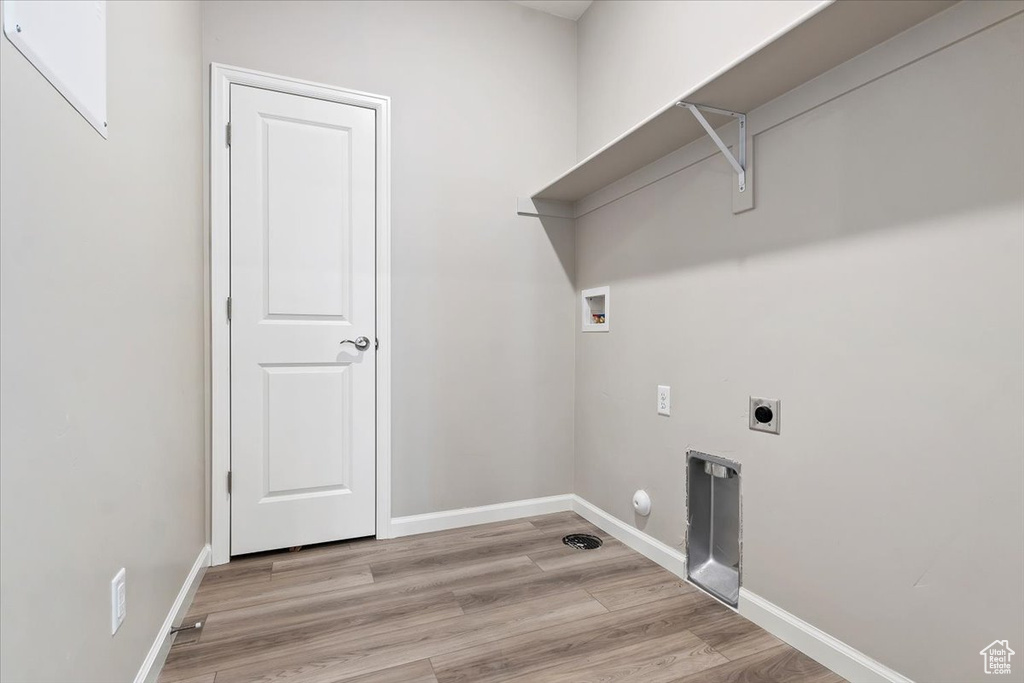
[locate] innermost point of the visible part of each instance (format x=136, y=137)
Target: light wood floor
x=498, y=602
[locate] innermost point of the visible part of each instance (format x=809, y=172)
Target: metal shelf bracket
x=738, y=165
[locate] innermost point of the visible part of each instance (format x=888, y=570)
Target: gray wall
x=877, y=289
x=635, y=57
x=101, y=351
x=483, y=111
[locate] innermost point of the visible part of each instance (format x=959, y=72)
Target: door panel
x=303, y=451
x=308, y=446
x=309, y=195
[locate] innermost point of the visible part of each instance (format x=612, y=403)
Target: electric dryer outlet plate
x=765, y=414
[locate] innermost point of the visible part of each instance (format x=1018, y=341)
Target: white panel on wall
x=66, y=40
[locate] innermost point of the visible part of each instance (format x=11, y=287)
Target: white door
x=303, y=451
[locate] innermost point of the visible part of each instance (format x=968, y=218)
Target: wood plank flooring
x=496, y=602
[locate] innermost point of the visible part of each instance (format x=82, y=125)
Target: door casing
x=221, y=78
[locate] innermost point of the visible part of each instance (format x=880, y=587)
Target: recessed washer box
x=596, y=309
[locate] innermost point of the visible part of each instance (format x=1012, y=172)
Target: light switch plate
x=770, y=409
x=118, y=600
x=664, y=400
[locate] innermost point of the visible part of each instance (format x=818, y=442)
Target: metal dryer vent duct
x=713, y=525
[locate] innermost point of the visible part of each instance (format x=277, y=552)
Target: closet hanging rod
x=738, y=165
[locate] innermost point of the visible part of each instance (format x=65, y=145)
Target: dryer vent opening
x=713, y=525
x=582, y=541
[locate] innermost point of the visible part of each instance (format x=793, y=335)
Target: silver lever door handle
x=361, y=343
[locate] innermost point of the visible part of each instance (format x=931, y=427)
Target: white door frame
x=221, y=78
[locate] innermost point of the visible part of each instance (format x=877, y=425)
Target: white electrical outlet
x=118, y=601
x=664, y=400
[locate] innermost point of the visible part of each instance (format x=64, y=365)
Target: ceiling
x=568, y=9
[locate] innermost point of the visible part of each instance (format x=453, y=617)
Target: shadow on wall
x=560, y=233
x=891, y=153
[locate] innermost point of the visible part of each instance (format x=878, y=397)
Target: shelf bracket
x=738, y=165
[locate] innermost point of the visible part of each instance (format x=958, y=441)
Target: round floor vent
x=582, y=541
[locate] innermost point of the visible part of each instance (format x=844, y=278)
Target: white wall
x=636, y=56
x=877, y=289
x=101, y=351
x=483, y=111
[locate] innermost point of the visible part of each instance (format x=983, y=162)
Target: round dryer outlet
x=764, y=414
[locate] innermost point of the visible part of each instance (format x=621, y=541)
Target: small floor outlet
x=583, y=541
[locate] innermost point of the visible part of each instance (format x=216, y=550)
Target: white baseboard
x=668, y=557
x=454, y=519
x=851, y=664
x=154, y=661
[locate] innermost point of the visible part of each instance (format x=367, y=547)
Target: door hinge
x=227, y=133
x=229, y=482
x=229, y=309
